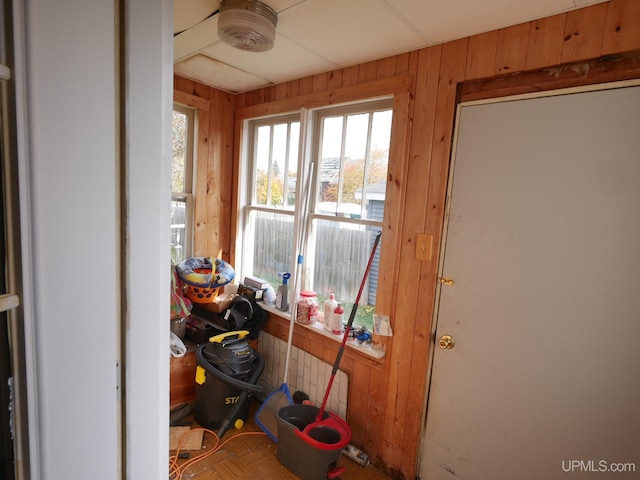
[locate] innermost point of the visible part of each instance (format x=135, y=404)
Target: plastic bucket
x=307, y=449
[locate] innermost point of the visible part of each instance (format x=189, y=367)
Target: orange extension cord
x=176, y=471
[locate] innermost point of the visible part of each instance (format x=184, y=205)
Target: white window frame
x=187, y=195
x=309, y=154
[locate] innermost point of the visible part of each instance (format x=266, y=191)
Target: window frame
x=399, y=88
x=379, y=104
x=309, y=155
x=187, y=196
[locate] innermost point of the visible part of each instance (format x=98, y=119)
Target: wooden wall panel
x=546, y=39
x=482, y=52
x=583, y=36
x=214, y=165
x=387, y=399
x=622, y=28
x=511, y=50
x=350, y=76
x=201, y=158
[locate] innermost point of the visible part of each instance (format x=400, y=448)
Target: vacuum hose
x=249, y=386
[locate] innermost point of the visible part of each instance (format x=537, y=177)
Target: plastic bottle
x=329, y=306
x=337, y=319
x=282, y=295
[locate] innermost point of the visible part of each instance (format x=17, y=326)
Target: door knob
x=446, y=342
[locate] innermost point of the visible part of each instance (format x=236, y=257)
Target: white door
x=543, y=246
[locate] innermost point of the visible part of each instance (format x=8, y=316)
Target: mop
x=266, y=415
x=346, y=335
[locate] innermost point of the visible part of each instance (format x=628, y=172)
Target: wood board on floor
x=193, y=441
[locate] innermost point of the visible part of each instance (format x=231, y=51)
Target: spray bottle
x=282, y=295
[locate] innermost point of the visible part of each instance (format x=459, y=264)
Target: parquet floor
x=249, y=454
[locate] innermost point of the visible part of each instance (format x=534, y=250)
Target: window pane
x=180, y=145
x=354, y=153
x=276, y=165
x=342, y=251
x=292, y=166
x=271, y=249
x=378, y=165
x=178, y=230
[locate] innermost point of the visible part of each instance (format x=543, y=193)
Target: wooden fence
x=340, y=259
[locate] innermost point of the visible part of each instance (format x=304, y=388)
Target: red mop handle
x=348, y=328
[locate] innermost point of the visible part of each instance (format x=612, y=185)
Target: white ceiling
x=315, y=36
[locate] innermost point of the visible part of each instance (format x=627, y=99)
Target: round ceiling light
x=247, y=24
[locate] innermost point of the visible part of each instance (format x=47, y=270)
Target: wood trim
x=9, y=301
x=608, y=68
x=322, y=347
x=190, y=100
x=326, y=98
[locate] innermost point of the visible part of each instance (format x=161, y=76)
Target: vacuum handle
x=240, y=334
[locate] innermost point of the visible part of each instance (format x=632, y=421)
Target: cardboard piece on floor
x=193, y=441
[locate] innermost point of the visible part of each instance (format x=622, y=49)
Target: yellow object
x=238, y=424
x=219, y=338
x=201, y=375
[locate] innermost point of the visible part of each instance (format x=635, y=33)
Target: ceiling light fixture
x=247, y=24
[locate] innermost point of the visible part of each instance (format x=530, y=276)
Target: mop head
x=267, y=415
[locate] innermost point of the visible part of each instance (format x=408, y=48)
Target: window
x=327, y=203
x=183, y=134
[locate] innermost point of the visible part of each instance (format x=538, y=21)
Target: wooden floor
x=249, y=454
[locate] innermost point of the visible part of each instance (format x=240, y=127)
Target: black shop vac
x=227, y=373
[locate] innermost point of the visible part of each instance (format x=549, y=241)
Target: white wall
x=76, y=233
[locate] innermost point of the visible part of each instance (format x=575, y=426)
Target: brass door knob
x=446, y=342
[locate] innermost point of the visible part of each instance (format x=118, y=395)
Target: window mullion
x=270, y=165
x=367, y=160
x=285, y=175
x=341, y=174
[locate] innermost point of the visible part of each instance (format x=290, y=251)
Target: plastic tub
x=309, y=449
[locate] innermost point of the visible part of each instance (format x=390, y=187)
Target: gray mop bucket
x=308, y=448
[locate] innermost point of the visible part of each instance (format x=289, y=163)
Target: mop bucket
x=309, y=448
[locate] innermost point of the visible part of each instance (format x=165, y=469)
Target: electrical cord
x=176, y=471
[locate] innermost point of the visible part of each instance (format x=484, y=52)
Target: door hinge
x=446, y=281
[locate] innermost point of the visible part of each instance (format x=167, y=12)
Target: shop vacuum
x=227, y=373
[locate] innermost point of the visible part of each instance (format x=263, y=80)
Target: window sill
x=318, y=328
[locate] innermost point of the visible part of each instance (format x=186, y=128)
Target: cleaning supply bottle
x=337, y=319
x=329, y=306
x=282, y=295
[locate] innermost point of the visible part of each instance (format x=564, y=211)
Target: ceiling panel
x=285, y=61
x=445, y=21
x=314, y=36
x=187, y=13
x=218, y=74
x=348, y=32
x=195, y=39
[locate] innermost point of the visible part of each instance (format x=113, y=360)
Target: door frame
x=622, y=74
